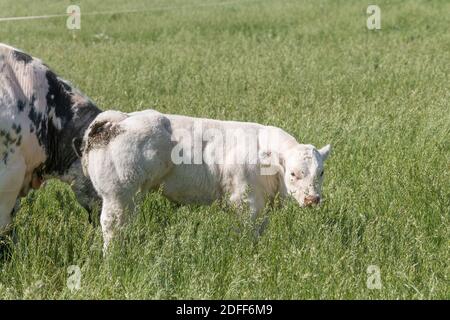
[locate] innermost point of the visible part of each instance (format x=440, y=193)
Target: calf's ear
x=325, y=151
x=76, y=145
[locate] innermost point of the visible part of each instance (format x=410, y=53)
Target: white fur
x=140, y=158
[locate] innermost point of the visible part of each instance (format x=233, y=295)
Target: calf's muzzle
x=311, y=200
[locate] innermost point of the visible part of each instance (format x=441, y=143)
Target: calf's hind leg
x=113, y=216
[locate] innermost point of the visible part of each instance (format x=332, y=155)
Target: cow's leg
x=255, y=202
x=11, y=181
x=113, y=216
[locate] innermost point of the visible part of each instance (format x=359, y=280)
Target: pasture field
x=381, y=98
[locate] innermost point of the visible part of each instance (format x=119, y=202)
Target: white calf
x=195, y=160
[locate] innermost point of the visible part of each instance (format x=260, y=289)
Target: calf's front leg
x=255, y=202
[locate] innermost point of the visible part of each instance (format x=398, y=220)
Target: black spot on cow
x=17, y=128
x=35, y=117
x=23, y=57
x=66, y=86
x=9, y=141
x=5, y=157
x=58, y=98
x=33, y=100
x=19, y=141
x=20, y=105
x=8, y=138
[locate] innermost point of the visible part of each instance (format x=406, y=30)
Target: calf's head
x=303, y=171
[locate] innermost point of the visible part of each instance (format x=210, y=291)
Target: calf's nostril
x=310, y=200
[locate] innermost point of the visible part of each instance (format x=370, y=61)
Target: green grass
x=311, y=67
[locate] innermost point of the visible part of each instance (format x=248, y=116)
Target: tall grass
x=311, y=67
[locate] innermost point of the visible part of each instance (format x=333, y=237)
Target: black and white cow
x=40, y=116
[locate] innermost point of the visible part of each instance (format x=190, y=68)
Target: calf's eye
x=292, y=174
x=321, y=174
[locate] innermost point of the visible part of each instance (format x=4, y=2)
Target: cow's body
x=40, y=114
x=194, y=160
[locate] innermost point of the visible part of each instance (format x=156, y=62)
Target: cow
x=195, y=160
x=40, y=116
